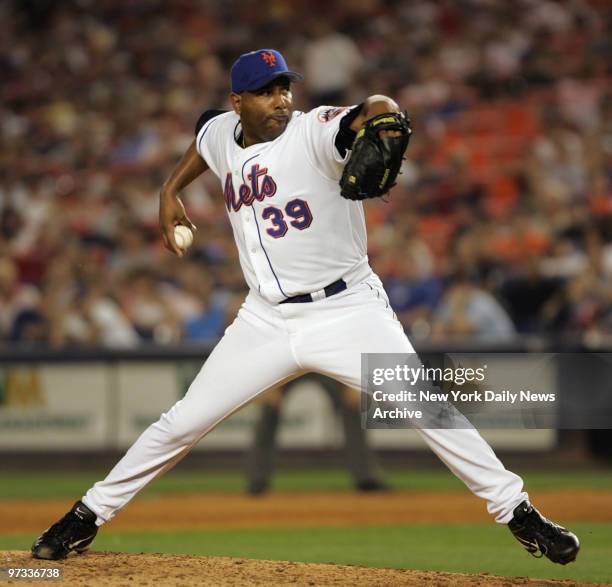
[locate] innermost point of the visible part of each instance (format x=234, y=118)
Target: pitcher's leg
x=368, y=325
x=247, y=361
x=471, y=459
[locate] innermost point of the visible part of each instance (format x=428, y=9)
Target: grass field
x=38, y=485
x=472, y=548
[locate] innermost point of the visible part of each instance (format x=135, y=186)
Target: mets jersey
x=295, y=233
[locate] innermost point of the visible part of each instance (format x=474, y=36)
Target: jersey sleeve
x=329, y=137
x=209, y=138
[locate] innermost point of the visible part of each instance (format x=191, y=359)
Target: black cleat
x=75, y=531
x=541, y=537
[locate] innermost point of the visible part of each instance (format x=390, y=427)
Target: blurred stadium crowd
x=501, y=224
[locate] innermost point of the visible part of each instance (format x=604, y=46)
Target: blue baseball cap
x=254, y=70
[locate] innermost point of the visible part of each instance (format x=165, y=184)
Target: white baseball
x=183, y=236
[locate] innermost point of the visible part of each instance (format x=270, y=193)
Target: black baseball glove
x=375, y=161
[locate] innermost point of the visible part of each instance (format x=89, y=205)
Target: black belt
x=330, y=290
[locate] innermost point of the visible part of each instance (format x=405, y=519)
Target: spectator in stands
x=413, y=288
x=468, y=311
x=19, y=303
x=200, y=309
x=526, y=296
x=152, y=316
x=331, y=62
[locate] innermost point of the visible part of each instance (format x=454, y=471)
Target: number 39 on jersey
x=296, y=212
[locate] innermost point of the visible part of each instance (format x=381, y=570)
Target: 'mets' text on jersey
x=295, y=233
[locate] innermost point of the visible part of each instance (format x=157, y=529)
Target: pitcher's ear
x=236, y=100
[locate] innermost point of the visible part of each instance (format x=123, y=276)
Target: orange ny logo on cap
x=269, y=58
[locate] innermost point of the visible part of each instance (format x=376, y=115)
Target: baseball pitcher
x=293, y=185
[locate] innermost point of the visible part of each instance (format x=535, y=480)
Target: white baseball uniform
x=295, y=235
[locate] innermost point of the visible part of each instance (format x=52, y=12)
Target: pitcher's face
x=264, y=113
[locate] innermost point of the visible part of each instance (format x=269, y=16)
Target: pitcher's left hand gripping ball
x=375, y=160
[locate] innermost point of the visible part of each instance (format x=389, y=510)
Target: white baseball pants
x=268, y=344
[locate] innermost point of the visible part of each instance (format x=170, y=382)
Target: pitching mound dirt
x=111, y=569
